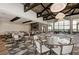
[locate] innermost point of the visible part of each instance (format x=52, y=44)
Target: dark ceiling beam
x=26, y=21
x=14, y=19
x=26, y=5
x=66, y=15
x=50, y=18
x=45, y=18
x=32, y=6
x=72, y=7
x=45, y=15
x=53, y=14
x=50, y=15
x=68, y=11
x=73, y=14
x=69, y=7
x=73, y=11
x=46, y=9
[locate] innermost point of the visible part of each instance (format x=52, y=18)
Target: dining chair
x=41, y=49
x=35, y=37
x=64, y=49
x=16, y=37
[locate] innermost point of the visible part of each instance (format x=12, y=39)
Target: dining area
x=53, y=44
x=21, y=43
x=39, y=29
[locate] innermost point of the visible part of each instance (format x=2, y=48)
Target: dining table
x=52, y=41
x=58, y=42
x=50, y=46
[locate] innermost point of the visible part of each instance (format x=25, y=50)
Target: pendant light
x=56, y=7
x=60, y=16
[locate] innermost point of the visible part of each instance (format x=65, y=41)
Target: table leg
x=50, y=51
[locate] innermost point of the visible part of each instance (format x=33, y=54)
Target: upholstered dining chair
x=41, y=49
x=64, y=49
x=35, y=37
x=16, y=37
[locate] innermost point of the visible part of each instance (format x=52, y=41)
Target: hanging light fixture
x=60, y=16
x=56, y=7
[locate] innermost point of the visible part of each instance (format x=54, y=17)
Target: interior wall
x=8, y=26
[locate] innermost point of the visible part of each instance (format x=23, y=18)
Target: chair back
x=50, y=40
x=37, y=44
x=66, y=49
x=16, y=37
x=35, y=37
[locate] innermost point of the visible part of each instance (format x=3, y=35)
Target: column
x=77, y=26
x=71, y=25
x=53, y=25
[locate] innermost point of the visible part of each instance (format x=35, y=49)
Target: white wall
x=8, y=26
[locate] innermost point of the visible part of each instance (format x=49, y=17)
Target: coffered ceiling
x=43, y=10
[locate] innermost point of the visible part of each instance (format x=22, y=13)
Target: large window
x=56, y=26
x=60, y=24
x=66, y=25
x=74, y=25
x=63, y=26
x=50, y=27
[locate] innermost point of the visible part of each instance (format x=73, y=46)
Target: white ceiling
x=18, y=10
x=5, y=17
